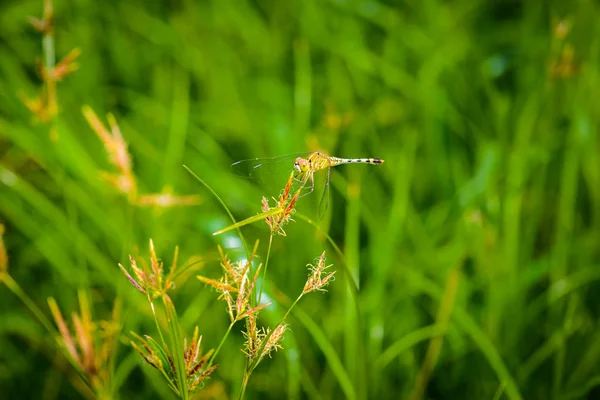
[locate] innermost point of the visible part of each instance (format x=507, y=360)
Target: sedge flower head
x=318, y=277
x=260, y=342
x=150, y=280
x=274, y=340
x=285, y=203
x=196, y=364
x=237, y=286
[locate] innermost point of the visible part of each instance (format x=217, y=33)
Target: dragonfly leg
x=308, y=188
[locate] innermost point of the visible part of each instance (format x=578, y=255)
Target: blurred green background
x=476, y=244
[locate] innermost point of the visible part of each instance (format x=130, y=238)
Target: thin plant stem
x=353, y=285
x=129, y=221
x=244, y=384
x=157, y=324
x=265, y=270
x=290, y=309
x=214, y=355
x=251, y=367
x=224, y=207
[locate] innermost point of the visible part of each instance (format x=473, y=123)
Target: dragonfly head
x=301, y=165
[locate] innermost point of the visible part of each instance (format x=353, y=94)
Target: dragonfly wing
x=269, y=174
x=324, y=201
x=266, y=170
x=251, y=168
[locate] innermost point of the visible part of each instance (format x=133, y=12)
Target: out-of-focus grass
x=485, y=112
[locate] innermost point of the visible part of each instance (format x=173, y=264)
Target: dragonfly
x=305, y=167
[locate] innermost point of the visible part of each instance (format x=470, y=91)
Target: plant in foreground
x=151, y=280
x=261, y=342
x=237, y=288
x=182, y=365
x=275, y=217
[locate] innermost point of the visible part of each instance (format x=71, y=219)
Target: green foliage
x=474, y=246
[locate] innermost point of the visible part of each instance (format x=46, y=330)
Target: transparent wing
x=264, y=169
x=324, y=200
x=271, y=174
x=256, y=167
x=315, y=193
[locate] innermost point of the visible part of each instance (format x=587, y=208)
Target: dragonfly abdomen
x=338, y=161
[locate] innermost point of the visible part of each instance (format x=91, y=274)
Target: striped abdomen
x=338, y=161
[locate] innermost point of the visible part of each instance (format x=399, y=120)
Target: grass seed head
x=236, y=285
x=151, y=281
x=318, y=278
x=274, y=340
x=159, y=357
x=286, y=204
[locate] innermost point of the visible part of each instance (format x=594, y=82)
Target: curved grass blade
x=157, y=349
x=333, y=359
x=250, y=220
x=177, y=349
x=406, y=342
